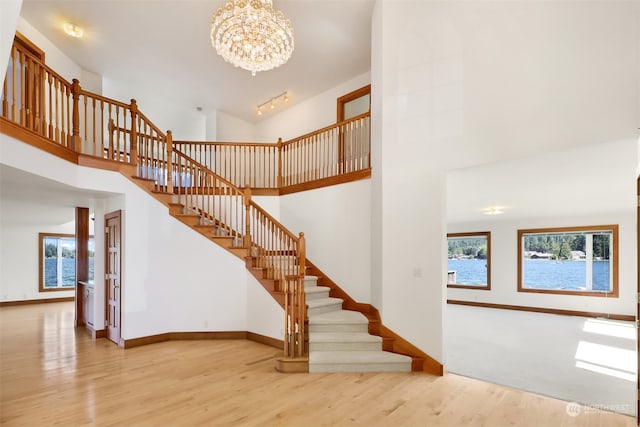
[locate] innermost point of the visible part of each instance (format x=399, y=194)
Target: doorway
x=113, y=282
x=350, y=148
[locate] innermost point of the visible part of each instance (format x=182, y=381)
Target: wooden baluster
x=66, y=112
x=50, y=135
x=75, y=133
x=111, y=129
x=57, y=115
x=28, y=95
x=133, y=139
x=279, y=177
x=169, y=162
x=39, y=102
x=5, y=103
x=14, y=80
x=90, y=146
x=22, y=88
x=247, y=215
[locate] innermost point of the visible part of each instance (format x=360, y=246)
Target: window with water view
x=574, y=260
x=58, y=261
x=469, y=260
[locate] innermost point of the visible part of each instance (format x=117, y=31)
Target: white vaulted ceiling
x=164, y=46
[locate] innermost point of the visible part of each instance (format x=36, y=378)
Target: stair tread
x=357, y=357
x=338, y=317
x=321, y=302
x=343, y=337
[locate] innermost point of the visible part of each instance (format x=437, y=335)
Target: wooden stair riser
x=189, y=220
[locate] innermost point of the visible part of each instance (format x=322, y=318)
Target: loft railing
x=335, y=150
x=37, y=98
x=246, y=164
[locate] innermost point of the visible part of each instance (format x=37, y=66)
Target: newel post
x=279, y=179
x=169, y=162
x=134, y=133
x=247, y=220
x=75, y=120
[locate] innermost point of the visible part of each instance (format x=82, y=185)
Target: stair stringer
x=391, y=341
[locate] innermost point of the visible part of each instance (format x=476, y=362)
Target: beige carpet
x=577, y=359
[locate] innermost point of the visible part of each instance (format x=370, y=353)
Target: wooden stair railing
x=272, y=251
x=333, y=151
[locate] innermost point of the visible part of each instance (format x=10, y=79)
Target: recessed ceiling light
x=494, y=210
x=73, y=30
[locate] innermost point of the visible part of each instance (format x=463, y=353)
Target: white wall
x=336, y=222
x=264, y=314
x=9, y=14
x=408, y=173
x=173, y=278
x=309, y=115
x=232, y=129
x=186, y=124
x=504, y=260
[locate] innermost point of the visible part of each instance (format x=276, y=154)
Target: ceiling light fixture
x=494, y=210
x=73, y=30
x=272, y=102
x=251, y=35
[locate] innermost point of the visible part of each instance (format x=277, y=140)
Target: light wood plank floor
x=51, y=373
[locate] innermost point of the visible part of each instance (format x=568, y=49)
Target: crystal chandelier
x=250, y=34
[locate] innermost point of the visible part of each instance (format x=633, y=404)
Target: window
x=570, y=260
x=58, y=261
x=469, y=260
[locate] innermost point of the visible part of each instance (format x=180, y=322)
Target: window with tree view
x=58, y=261
x=469, y=260
x=573, y=260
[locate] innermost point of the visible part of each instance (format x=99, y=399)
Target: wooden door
x=113, y=277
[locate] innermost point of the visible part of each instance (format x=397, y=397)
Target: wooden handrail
x=327, y=128
x=103, y=99
x=218, y=177
x=228, y=144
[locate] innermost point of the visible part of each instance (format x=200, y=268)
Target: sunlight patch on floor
x=607, y=360
x=610, y=328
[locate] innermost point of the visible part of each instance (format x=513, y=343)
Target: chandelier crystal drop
x=251, y=35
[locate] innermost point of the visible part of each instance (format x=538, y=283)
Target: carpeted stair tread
x=321, y=302
x=338, y=317
x=343, y=337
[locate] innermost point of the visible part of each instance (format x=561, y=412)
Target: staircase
x=118, y=137
x=339, y=340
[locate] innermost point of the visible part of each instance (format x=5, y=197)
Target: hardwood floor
x=51, y=373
